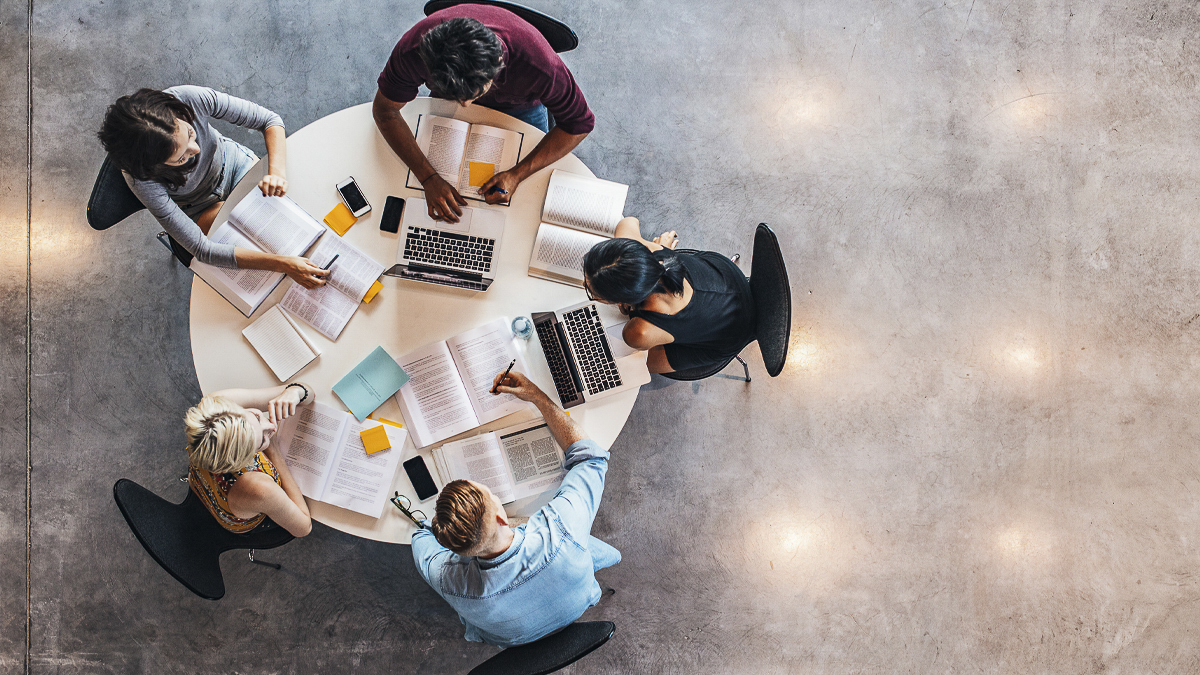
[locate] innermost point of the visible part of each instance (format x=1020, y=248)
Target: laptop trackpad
x=462, y=226
x=616, y=343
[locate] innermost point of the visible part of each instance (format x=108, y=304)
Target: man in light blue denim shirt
x=513, y=586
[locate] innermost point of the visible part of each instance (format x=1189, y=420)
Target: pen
x=500, y=190
x=335, y=257
x=506, y=372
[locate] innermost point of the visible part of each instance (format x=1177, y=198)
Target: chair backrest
x=112, y=201
x=184, y=538
x=551, y=653
x=772, y=299
x=558, y=34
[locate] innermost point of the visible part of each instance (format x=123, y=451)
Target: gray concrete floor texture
x=981, y=457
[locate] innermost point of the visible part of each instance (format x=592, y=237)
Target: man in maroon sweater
x=490, y=56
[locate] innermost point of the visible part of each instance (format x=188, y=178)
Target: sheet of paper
x=309, y=439
x=442, y=140
x=276, y=224
x=324, y=308
x=481, y=354
x=359, y=481
x=558, y=253
x=280, y=343
x=370, y=383
x=534, y=459
x=480, y=459
x=584, y=203
x=486, y=145
x=434, y=403
x=353, y=272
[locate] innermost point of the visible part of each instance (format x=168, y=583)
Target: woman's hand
x=624, y=308
x=667, y=239
x=303, y=271
x=273, y=186
x=284, y=405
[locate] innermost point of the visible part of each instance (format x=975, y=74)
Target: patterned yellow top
x=213, y=491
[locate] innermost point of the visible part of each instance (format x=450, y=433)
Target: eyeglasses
x=405, y=505
x=588, y=289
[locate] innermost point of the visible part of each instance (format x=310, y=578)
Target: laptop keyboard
x=563, y=382
x=595, y=360
x=449, y=249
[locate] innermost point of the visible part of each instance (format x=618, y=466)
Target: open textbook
x=329, y=308
x=579, y=212
x=271, y=224
x=517, y=462
x=281, y=343
x=450, y=387
x=326, y=456
x=465, y=155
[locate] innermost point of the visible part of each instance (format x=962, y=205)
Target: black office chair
x=551, y=653
x=773, y=308
x=112, y=201
x=558, y=34
x=186, y=540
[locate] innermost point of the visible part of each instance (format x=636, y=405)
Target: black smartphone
x=418, y=475
x=392, y=209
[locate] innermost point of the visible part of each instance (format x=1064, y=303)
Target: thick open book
x=465, y=155
x=517, y=462
x=271, y=224
x=326, y=456
x=450, y=387
x=281, y=343
x=579, y=212
x=329, y=308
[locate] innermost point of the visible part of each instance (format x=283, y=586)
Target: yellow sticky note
x=340, y=219
x=481, y=172
x=375, y=439
x=373, y=291
x=387, y=421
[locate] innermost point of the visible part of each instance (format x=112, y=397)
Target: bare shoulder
x=252, y=489
x=641, y=334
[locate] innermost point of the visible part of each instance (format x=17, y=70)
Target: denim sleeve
x=177, y=224
x=222, y=106
x=579, y=495
x=426, y=550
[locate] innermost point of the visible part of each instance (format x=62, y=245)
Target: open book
x=450, y=387
x=465, y=155
x=281, y=343
x=329, y=308
x=271, y=224
x=579, y=212
x=326, y=456
x=517, y=462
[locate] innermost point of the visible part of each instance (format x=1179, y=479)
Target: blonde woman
x=236, y=471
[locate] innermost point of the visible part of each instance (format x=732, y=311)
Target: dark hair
x=462, y=56
x=138, y=132
x=624, y=270
x=461, y=508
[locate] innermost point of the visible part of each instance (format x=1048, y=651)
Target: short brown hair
x=461, y=510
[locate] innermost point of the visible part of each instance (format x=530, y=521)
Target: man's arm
x=553, y=147
x=565, y=430
x=443, y=200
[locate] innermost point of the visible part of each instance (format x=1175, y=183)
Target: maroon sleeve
x=564, y=99
x=404, y=71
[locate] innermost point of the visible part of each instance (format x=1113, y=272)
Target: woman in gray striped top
x=182, y=169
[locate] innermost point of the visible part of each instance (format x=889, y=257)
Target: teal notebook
x=370, y=383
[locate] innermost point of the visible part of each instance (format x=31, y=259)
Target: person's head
x=468, y=518
x=150, y=136
x=222, y=436
x=463, y=57
x=625, y=271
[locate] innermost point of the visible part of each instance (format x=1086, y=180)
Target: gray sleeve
x=222, y=106
x=177, y=224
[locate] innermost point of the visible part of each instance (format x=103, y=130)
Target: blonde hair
x=219, y=439
x=459, y=523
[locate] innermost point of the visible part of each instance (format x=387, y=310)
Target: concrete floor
x=980, y=459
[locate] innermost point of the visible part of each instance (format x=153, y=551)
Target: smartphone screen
x=419, y=476
x=354, y=198
x=392, y=208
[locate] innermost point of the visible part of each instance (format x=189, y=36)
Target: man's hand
x=505, y=180
x=518, y=385
x=443, y=200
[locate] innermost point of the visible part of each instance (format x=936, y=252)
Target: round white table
x=405, y=315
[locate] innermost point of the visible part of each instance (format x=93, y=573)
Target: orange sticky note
x=373, y=291
x=387, y=421
x=480, y=173
x=340, y=219
x=374, y=440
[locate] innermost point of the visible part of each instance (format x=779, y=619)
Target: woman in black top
x=688, y=309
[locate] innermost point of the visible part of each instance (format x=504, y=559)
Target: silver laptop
x=462, y=254
x=586, y=354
